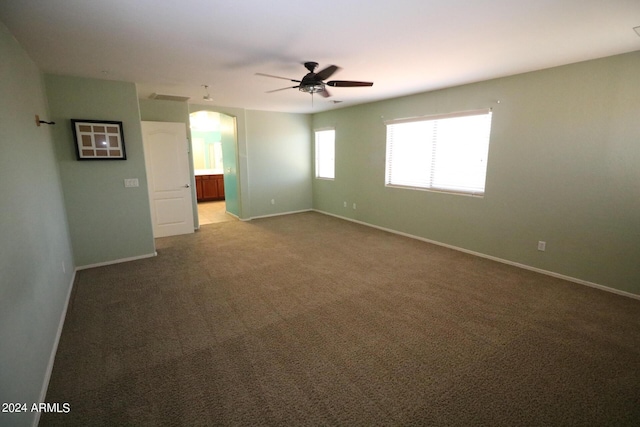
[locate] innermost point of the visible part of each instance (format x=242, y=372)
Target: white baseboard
x=117, y=261
x=493, y=258
x=54, y=350
x=232, y=214
x=278, y=214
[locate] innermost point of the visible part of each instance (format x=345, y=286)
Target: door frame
x=240, y=160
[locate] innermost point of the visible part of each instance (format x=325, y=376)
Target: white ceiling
x=404, y=46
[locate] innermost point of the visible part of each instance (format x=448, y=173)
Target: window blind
x=445, y=152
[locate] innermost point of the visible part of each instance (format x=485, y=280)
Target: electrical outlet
x=354, y=206
x=542, y=246
x=345, y=204
x=131, y=182
x=273, y=201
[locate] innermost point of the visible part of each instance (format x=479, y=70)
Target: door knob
x=186, y=186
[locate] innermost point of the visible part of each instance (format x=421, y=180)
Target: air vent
x=168, y=97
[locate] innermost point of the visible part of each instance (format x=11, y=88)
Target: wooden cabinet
x=199, y=187
x=209, y=187
x=220, y=185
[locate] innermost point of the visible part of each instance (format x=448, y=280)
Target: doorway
x=213, y=140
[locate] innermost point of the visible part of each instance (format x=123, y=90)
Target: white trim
x=477, y=195
x=320, y=129
x=436, y=116
x=493, y=258
x=116, y=261
x=278, y=214
x=232, y=214
x=54, y=350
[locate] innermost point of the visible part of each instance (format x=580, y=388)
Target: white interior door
x=166, y=154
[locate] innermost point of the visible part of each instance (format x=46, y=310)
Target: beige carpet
x=310, y=320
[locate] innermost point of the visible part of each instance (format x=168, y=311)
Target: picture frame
x=98, y=139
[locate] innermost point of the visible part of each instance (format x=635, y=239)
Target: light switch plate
x=131, y=182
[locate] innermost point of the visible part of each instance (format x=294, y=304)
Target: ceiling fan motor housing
x=314, y=82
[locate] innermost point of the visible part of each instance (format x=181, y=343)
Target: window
x=325, y=153
x=446, y=152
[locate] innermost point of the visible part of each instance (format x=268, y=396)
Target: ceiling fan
x=315, y=82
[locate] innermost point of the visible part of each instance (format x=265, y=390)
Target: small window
x=325, y=154
x=445, y=153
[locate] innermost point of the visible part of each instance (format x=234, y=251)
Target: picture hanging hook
x=39, y=122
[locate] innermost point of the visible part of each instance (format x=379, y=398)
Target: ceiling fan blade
x=327, y=72
x=347, y=83
x=277, y=77
x=284, y=88
x=324, y=93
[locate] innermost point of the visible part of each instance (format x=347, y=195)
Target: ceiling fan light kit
x=315, y=82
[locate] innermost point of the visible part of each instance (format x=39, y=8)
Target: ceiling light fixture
x=312, y=88
x=207, y=97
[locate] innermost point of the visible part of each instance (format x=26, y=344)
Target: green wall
x=36, y=260
x=563, y=168
x=230, y=160
x=108, y=222
x=153, y=110
x=273, y=152
x=279, y=148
